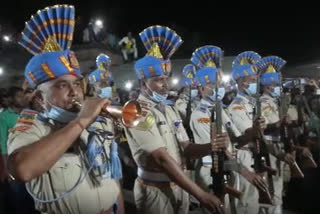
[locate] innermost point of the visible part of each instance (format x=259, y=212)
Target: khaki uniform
x=241, y=113
x=182, y=103
x=270, y=112
x=200, y=125
x=154, y=192
x=64, y=174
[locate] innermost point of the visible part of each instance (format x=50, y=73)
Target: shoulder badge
x=203, y=120
x=25, y=121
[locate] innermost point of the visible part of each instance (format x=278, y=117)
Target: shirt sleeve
x=228, y=122
x=200, y=126
x=269, y=112
x=145, y=140
x=240, y=118
x=21, y=137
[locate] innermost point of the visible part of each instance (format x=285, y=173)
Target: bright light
x=225, y=78
x=128, y=85
x=175, y=81
x=1, y=71
x=99, y=23
x=6, y=38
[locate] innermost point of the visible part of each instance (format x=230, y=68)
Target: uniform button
x=66, y=165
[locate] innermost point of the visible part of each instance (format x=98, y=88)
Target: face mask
x=158, y=97
x=194, y=93
x=58, y=114
x=221, y=92
x=252, y=89
x=276, y=92
x=106, y=92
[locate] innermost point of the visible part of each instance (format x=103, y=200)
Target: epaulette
x=25, y=121
x=203, y=120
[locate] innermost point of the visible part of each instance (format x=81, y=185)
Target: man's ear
x=38, y=98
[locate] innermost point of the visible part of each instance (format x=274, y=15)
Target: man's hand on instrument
x=220, y=142
x=212, y=203
x=90, y=109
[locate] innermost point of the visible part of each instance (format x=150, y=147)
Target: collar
x=145, y=100
x=152, y=103
x=243, y=96
x=205, y=105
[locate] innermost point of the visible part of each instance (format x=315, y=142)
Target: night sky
x=291, y=34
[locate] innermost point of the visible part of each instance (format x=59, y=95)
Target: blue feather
x=168, y=40
x=56, y=21
x=205, y=53
x=251, y=56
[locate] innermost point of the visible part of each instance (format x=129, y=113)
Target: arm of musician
x=41, y=153
x=33, y=160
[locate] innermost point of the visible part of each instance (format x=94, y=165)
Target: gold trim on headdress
x=244, y=61
x=51, y=45
x=270, y=69
x=155, y=51
x=210, y=63
x=102, y=66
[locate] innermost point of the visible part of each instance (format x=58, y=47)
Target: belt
x=159, y=185
x=208, y=165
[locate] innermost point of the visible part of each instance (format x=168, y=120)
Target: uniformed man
x=101, y=79
x=67, y=165
x=188, y=84
x=201, y=117
x=241, y=112
x=160, y=142
x=208, y=58
x=270, y=82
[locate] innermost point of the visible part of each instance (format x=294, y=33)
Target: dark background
x=290, y=33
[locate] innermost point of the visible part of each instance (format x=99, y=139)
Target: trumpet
x=129, y=114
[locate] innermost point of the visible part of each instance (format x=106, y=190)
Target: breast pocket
x=65, y=173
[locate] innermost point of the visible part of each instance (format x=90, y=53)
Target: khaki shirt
x=64, y=174
x=200, y=124
x=292, y=113
x=181, y=106
x=241, y=112
x=269, y=109
x=156, y=131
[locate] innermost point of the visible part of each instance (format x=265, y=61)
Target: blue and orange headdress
x=188, y=73
x=102, y=73
x=161, y=43
x=243, y=65
x=208, y=58
x=48, y=36
x=271, y=67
